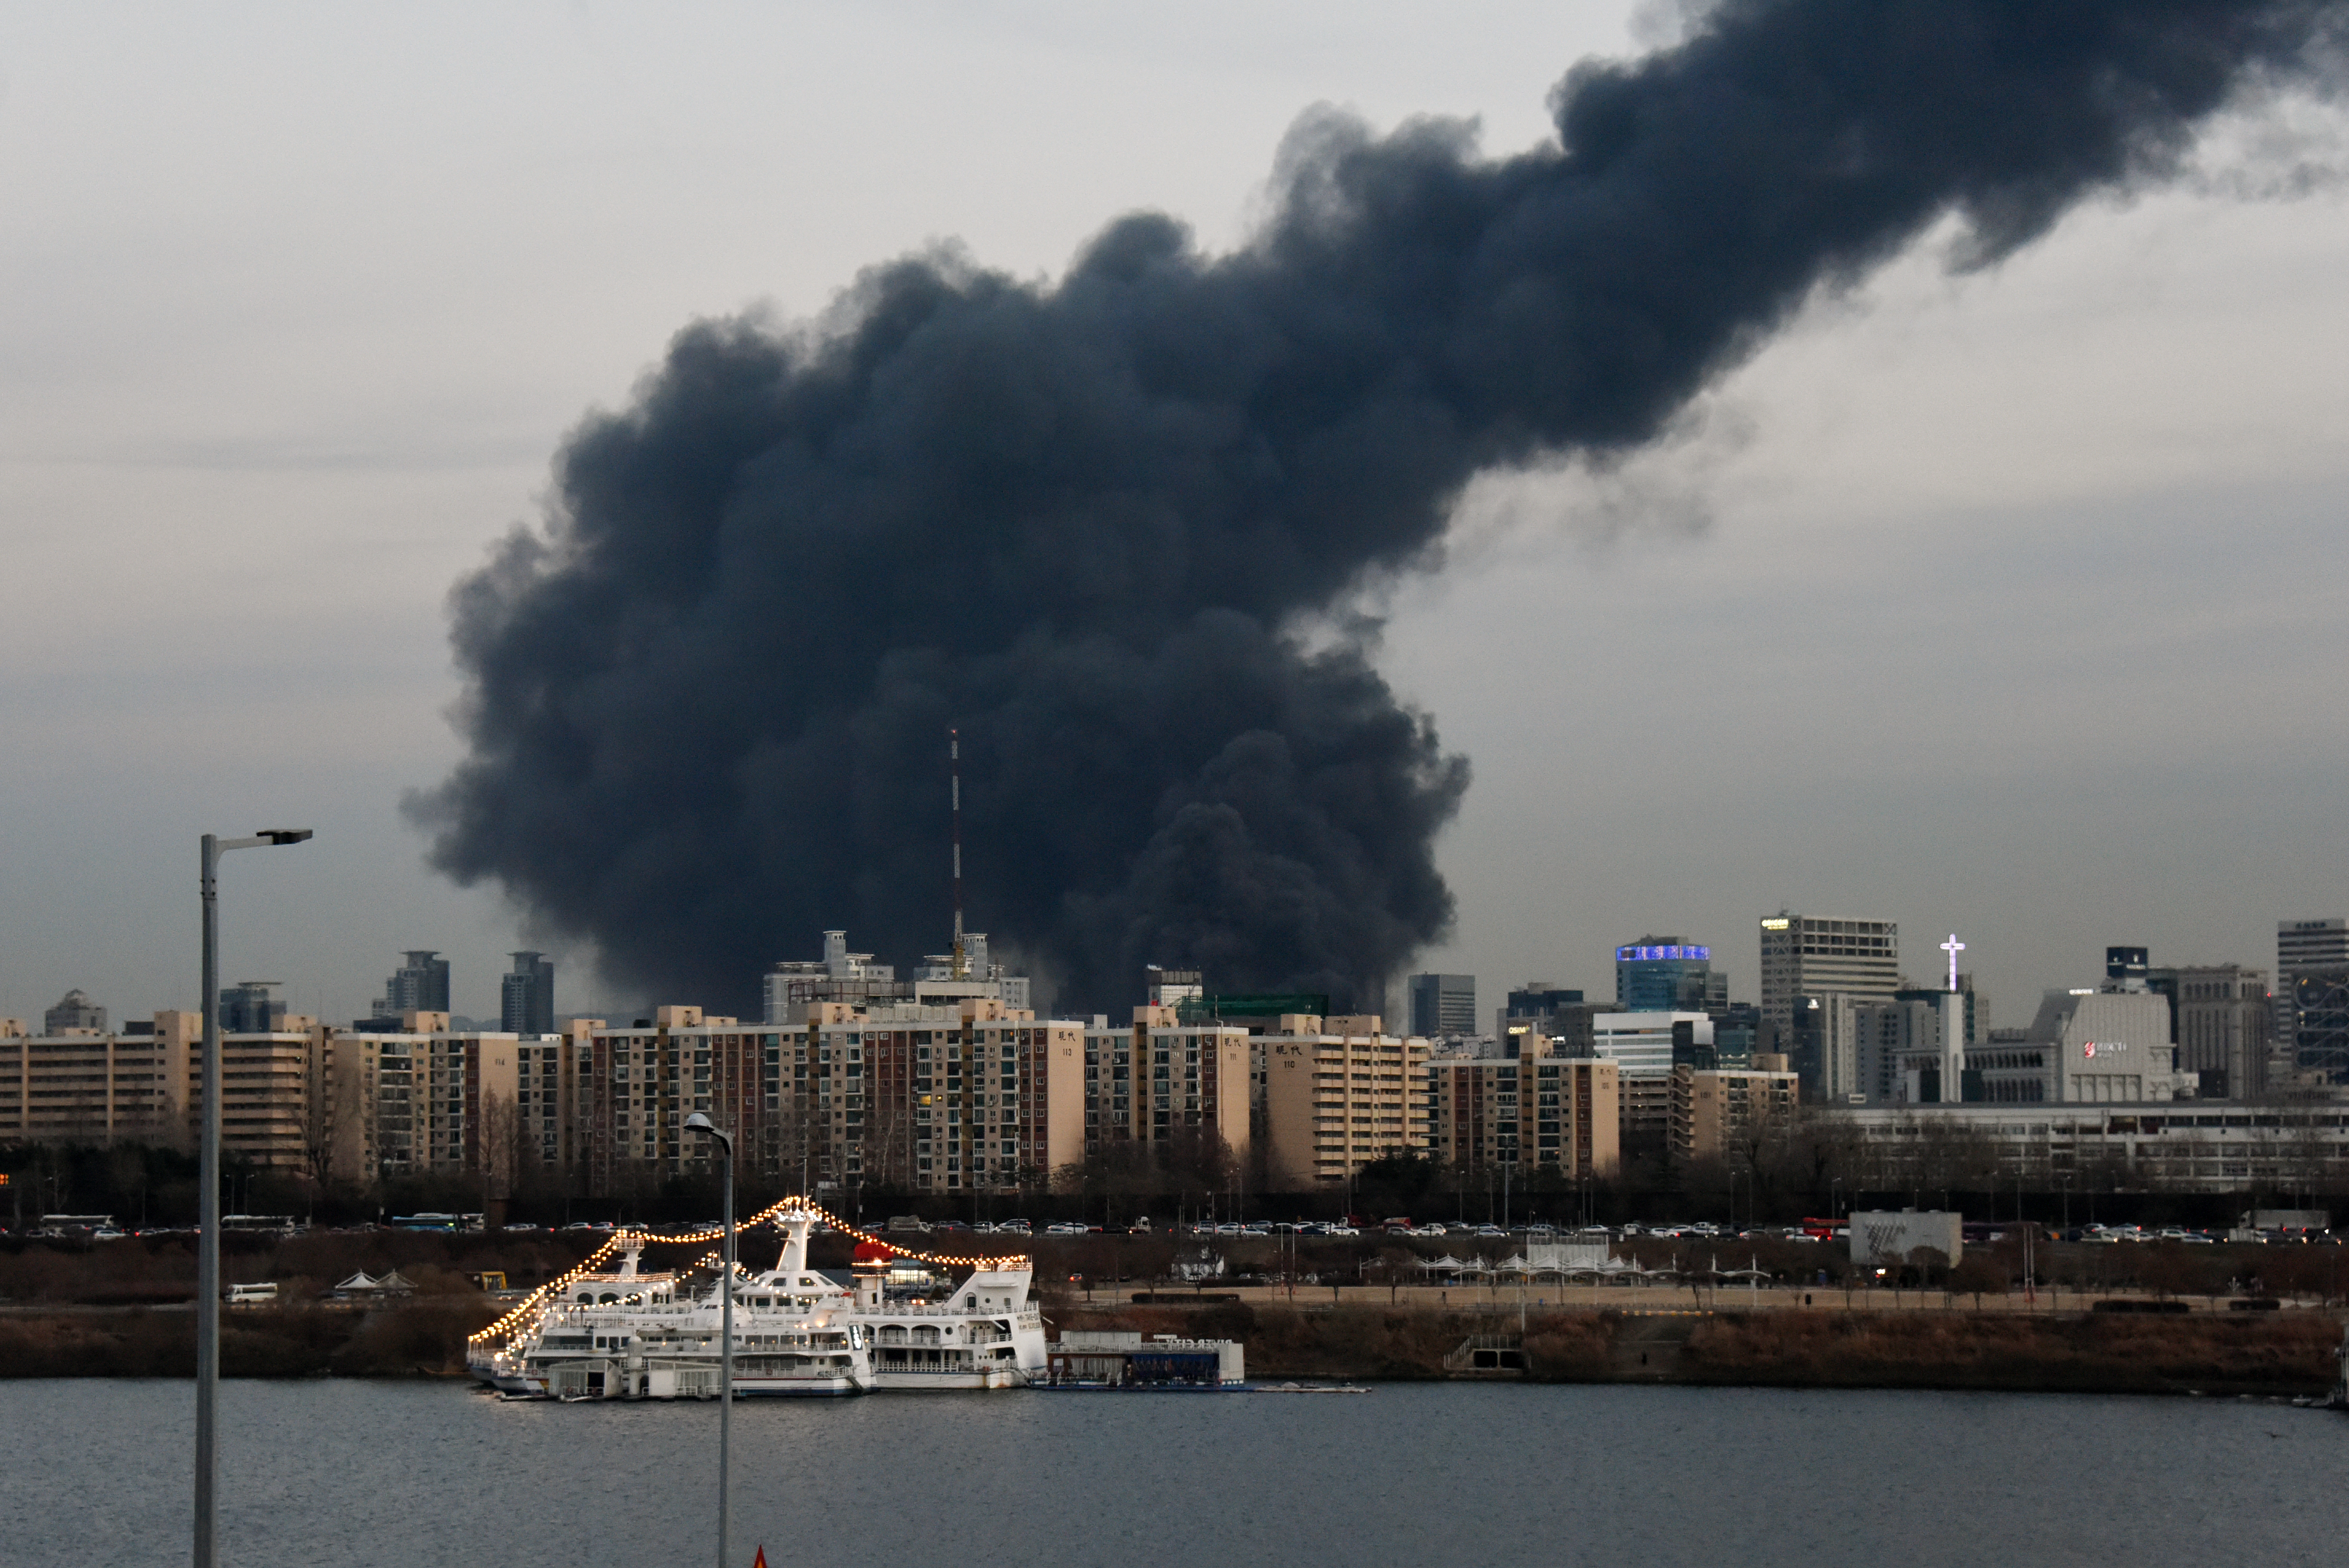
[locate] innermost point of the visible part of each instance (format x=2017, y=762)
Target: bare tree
x=333, y=1133
x=499, y=1153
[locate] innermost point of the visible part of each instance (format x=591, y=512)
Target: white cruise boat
x=798, y=1330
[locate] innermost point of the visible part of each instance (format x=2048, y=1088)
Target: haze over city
x=1990, y=600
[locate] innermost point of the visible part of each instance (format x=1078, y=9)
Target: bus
x=436, y=1221
x=1825, y=1230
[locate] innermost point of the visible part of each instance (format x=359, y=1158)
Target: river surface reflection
x=357, y=1474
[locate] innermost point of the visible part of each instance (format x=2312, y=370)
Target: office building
x=2008, y=1068
x=2184, y=1146
x=526, y=996
x=1911, y=1049
x=75, y=1014
x=1740, y=1034
x=1537, y=998
x=939, y=979
x=1668, y=975
x=2301, y=947
x=2108, y=1047
x=1443, y=1006
x=839, y=975
x=1558, y=1012
x=1825, y=1041
x=2320, y=1006
x=1526, y=1109
x=1725, y=1114
x=1648, y=1045
x=1645, y=1047
x=2220, y=1022
x=1807, y=956
x=252, y=1008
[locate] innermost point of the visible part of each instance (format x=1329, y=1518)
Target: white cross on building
x=1953, y=947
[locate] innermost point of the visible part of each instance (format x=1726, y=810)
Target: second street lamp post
x=208, y=1246
x=698, y=1122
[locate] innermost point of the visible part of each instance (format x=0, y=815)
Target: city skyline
x=1920, y=621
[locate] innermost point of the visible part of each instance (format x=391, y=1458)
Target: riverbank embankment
x=2274, y=1354
x=2278, y=1355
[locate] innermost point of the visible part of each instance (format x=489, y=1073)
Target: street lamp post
x=208, y=1234
x=698, y=1122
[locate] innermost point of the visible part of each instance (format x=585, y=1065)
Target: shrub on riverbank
x=2287, y=1353
x=413, y=1339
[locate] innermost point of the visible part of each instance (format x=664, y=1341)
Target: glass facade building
x=1665, y=975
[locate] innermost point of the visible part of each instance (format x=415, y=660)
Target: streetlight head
x=283, y=835
x=698, y=1123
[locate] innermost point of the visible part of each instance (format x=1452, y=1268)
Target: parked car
x=1064, y=1228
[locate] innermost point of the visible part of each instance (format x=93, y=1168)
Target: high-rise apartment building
x=1166, y=1080
x=1807, y=956
x=526, y=996
x=932, y=1097
x=1722, y=1115
x=1526, y=1109
x=268, y=1085
x=1442, y=1005
x=1339, y=1093
x=422, y=982
x=93, y=1086
x=425, y=1100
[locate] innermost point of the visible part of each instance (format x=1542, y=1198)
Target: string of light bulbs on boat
x=539, y=1298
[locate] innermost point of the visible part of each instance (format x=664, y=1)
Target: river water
x=356, y=1474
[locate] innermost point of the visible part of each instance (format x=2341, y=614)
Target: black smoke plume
x=707, y=702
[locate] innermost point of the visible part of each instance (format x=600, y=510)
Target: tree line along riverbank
x=123, y=1309
x=2277, y=1353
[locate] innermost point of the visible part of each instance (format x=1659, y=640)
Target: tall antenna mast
x=954, y=756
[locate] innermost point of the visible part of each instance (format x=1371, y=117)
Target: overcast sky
x=2009, y=603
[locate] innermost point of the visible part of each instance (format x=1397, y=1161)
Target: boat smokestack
x=871, y=1267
